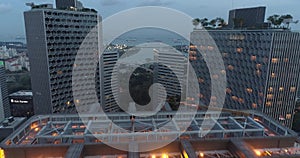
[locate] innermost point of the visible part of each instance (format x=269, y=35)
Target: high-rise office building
x=261, y=66
x=171, y=72
x=4, y=103
x=54, y=37
x=109, y=80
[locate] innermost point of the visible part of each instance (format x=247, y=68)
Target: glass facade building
x=261, y=67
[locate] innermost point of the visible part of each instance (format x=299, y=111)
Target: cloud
x=155, y=3
x=4, y=8
x=110, y=2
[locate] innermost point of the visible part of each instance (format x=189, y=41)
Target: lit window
x=223, y=72
x=273, y=75
x=286, y=60
x=234, y=98
x=230, y=67
x=239, y=50
x=249, y=90
x=281, y=88
x=68, y=103
x=258, y=66
x=253, y=57
x=228, y=90
x=270, y=89
x=258, y=72
x=241, y=100
x=200, y=80
x=59, y=72
x=254, y=105
x=293, y=89
x=193, y=46
x=215, y=76
x=201, y=95
x=268, y=103
x=270, y=96
x=288, y=116
x=274, y=60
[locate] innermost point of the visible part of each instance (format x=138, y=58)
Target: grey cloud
x=155, y=3
x=4, y=8
x=110, y=2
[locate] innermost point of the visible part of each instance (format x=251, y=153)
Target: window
x=270, y=96
x=273, y=75
x=230, y=67
x=288, y=116
x=239, y=50
x=274, y=60
x=249, y=90
x=253, y=58
x=293, y=89
x=270, y=89
x=254, y=105
x=268, y=103
x=281, y=88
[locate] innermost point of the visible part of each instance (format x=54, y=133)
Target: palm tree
x=196, y=22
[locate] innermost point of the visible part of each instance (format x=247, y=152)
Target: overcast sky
x=12, y=22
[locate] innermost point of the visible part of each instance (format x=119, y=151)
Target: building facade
x=4, y=104
x=54, y=38
x=109, y=80
x=21, y=104
x=246, y=17
x=261, y=66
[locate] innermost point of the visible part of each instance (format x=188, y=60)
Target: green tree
x=196, y=22
x=276, y=20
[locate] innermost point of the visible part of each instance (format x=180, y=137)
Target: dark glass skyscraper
x=4, y=102
x=246, y=17
x=261, y=66
x=54, y=37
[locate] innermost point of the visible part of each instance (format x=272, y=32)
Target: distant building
x=247, y=17
x=21, y=104
x=262, y=69
x=54, y=36
x=13, y=64
x=4, y=103
x=109, y=82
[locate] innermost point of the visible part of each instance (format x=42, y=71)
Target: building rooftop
x=21, y=93
x=250, y=132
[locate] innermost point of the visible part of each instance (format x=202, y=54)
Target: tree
x=287, y=19
x=220, y=22
x=196, y=22
x=204, y=22
x=276, y=20
x=213, y=23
